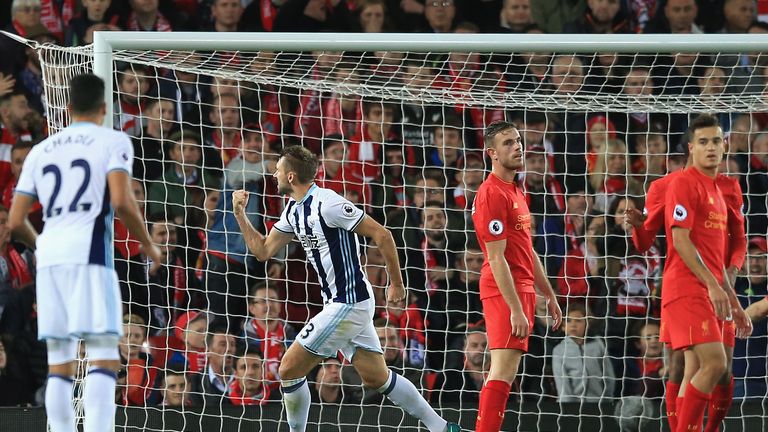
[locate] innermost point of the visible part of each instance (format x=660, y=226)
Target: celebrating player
x=77, y=174
x=326, y=224
x=643, y=235
x=509, y=273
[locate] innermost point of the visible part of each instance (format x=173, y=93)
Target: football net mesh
x=400, y=134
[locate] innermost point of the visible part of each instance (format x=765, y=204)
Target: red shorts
x=728, y=329
x=692, y=321
x=497, y=324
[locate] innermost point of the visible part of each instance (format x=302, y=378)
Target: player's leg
x=722, y=396
x=374, y=373
x=698, y=392
x=506, y=352
x=53, y=327
x=100, y=382
x=58, y=390
x=676, y=365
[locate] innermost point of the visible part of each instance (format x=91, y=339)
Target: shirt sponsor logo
x=496, y=227
x=680, y=213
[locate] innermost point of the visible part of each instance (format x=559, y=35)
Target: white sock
x=405, y=395
x=99, y=400
x=58, y=403
x=296, y=399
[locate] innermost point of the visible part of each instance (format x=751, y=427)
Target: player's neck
x=505, y=175
x=95, y=119
x=709, y=172
x=300, y=191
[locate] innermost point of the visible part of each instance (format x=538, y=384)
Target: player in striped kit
x=327, y=225
x=80, y=175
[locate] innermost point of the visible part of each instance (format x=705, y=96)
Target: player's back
x=68, y=174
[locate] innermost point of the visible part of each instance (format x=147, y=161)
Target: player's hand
x=719, y=301
x=633, y=218
x=519, y=323
x=395, y=293
x=554, y=312
x=743, y=323
x=239, y=202
x=155, y=256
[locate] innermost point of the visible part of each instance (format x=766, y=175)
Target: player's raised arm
x=127, y=209
x=386, y=244
x=261, y=246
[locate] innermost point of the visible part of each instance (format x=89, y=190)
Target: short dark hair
x=86, y=94
x=701, y=122
x=301, y=161
x=494, y=129
x=262, y=285
x=248, y=350
x=577, y=307
x=214, y=328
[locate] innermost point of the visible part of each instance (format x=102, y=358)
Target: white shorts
x=341, y=327
x=76, y=300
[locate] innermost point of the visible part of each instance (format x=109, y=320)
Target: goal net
x=399, y=133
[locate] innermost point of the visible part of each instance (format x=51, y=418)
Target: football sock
x=99, y=400
x=405, y=395
x=58, y=403
x=493, y=403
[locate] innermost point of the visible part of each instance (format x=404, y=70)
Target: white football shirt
x=67, y=173
x=324, y=222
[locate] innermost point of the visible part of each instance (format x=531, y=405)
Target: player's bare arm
x=261, y=246
x=503, y=277
x=18, y=223
x=740, y=317
x=127, y=209
x=758, y=310
x=386, y=244
x=542, y=284
x=690, y=256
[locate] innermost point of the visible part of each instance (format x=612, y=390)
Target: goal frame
x=105, y=43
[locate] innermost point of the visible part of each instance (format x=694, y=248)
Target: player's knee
x=375, y=381
x=715, y=367
x=286, y=371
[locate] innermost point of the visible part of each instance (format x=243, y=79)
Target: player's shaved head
x=86, y=94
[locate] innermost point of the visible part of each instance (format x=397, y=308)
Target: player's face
x=249, y=373
x=175, y=389
x=507, y=149
x=282, y=178
x=707, y=147
x=266, y=304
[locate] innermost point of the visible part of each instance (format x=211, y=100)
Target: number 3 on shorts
x=307, y=330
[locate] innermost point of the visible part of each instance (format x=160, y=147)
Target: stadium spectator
x=515, y=17
x=463, y=382
x=756, y=202
x=372, y=16
x=313, y=16
x=333, y=173
x=651, y=153
x=181, y=191
x=21, y=393
x=678, y=16
x=328, y=388
x=600, y=129
x=390, y=195
x=463, y=304
x=468, y=177
x=365, y=147
x=17, y=269
x=213, y=385
x=31, y=76
x=643, y=374
x=175, y=388
x=749, y=367
x=133, y=85
x=439, y=16
x=24, y=15
x=552, y=15
x=448, y=146
x=140, y=375
x=158, y=116
x=407, y=318
x=249, y=386
x=223, y=138
x=739, y=15
x=227, y=17
x=261, y=14
x=94, y=12
x=14, y=124
x=19, y=153
x=266, y=332
x=582, y=368
x=601, y=16
x=145, y=15
x=396, y=357
x=610, y=178
x=190, y=333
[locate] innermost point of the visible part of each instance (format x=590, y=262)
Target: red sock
x=722, y=397
x=690, y=415
x=670, y=396
x=493, y=402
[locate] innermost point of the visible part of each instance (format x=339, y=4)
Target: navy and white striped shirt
x=324, y=222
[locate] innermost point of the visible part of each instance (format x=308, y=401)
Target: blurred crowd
x=212, y=325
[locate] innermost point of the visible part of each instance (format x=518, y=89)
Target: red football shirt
x=695, y=202
x=500, y=213
x=736, y=242
x=654, y=212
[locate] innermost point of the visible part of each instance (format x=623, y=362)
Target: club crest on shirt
x=496, y=227
x=680, y=213
x=125, y=156
x=348, y=210
x=711, y=200
x=311, y=220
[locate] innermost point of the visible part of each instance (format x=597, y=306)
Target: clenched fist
x=239, y=201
